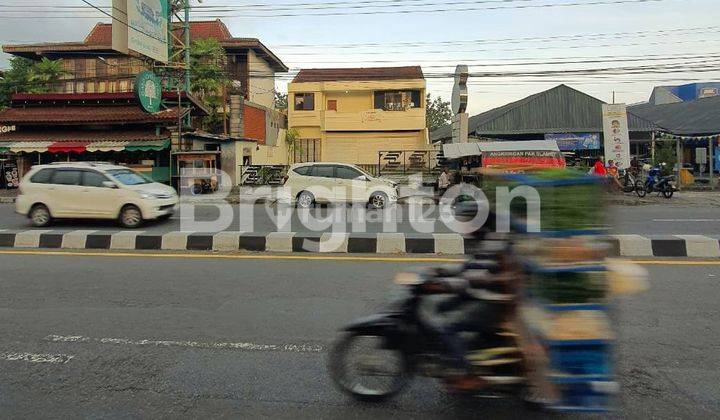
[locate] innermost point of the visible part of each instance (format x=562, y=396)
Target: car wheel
x=130, y=217
x=378, y=200
x=305, y=200
x=40, y=215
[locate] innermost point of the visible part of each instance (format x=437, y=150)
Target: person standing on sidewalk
x=443, y=182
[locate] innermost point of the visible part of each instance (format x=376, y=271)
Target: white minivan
x=88, y=190
x=328, y=182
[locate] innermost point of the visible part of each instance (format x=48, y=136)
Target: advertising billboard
x=568, y=142
x=146, y=25
x=616, y=135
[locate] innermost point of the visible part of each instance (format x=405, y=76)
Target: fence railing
x=403, y=162
x=262, y=174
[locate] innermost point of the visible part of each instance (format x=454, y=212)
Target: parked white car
x=327, y=182
x=90, y=190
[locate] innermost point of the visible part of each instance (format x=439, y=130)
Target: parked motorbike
x=627, y=180
x=655, y=182
x=376, y=357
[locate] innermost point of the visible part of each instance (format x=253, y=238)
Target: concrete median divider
x=634, y=246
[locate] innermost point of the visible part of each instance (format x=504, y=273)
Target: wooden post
x=678, y=153
x=711, y=162
x=652, y=148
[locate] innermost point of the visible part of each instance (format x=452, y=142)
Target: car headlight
x=145, y=195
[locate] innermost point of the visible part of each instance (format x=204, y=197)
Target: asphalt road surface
x=128, y=337
x=652, y=219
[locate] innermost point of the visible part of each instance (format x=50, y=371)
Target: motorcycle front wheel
x=667, y=191
x=364, y=367
x=640, y=189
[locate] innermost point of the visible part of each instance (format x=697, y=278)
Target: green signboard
x=148, y=90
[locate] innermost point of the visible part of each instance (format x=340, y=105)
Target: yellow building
x=350, y=115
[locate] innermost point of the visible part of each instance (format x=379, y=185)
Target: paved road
x=643, y=220
x=100, y=311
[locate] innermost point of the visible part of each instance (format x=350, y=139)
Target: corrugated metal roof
x=561, y=109
x=456, y=150
x=699, y=117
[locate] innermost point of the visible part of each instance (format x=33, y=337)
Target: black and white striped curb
x=376, y=243
x=692, y=246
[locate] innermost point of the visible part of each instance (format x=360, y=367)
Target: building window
x=307, y=150
x=304, y=101
x=332, y=105
x=397, y=100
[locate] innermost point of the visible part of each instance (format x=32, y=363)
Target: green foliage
x=291, y=140
x=44, y=74
x=30, y=77
x=208, y=79
x=438, y=113
x=666, y=152
x=281, y=100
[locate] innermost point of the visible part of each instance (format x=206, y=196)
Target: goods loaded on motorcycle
x=525, y=316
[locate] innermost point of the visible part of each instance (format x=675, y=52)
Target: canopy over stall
x=537, y=153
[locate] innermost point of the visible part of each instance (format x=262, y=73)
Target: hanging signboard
x=568, y=142
x=616, y=135
x=141, y=26
x=148, y=90
x=534, y=158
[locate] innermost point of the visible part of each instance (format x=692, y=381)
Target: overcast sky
x=489, y=39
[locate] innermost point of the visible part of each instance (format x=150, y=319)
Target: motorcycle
x=655, y=182
x=376, y=357
x=627, y=180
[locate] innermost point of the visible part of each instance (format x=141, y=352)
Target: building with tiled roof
x=360, y=115
x=92, y=66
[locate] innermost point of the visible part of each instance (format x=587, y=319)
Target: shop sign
x=10, y=174
x=615, y=132
x=148, y=90
x=568, y=142
x=7, y=128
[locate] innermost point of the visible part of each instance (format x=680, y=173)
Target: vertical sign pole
x=711, y=162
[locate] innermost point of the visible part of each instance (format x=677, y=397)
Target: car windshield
x=128, y=177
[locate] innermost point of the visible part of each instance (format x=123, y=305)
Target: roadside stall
x=196, y=171
x=471, y=159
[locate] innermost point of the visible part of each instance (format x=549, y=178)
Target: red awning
x=68, y=147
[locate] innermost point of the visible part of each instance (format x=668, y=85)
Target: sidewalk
x=680, y=198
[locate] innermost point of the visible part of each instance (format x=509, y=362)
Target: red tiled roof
x=101, y=34
x=362, y=73
x=100, y=40
x=124, y=114
x=83, y=136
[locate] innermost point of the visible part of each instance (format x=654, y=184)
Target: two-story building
x=351, y=115
x=93, y=103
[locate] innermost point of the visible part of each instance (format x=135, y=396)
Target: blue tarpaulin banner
x=575, y=141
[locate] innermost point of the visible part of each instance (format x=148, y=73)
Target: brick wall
x=254, y=120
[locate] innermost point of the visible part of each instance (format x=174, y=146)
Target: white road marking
x=36, y=358
x=686, y=220
x=297, y=348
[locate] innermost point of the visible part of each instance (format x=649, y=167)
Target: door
x=353, y=183
x=64, y=193
x=323, y=182
x=96, y=199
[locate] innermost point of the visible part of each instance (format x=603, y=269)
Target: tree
x=666, y=153
x=15, y=79
x=281, y=100
x=438, y=113
x=293, y=145
x=44, y=74
x=208, y=79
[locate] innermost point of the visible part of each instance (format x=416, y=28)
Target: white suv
x=92, y=191
x=326, y=182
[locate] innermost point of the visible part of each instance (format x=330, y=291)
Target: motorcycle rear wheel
x=640, y=189
x=346, y=374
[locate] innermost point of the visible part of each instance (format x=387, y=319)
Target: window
x=303, y=170
x=66, y=177
x=42, y=176
x=307, y=150
x=93, y=179
x=346, y=172
x=332, y=105
x=304, y=101
x=324, y=171
x=397, y=100
x=128, y=177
